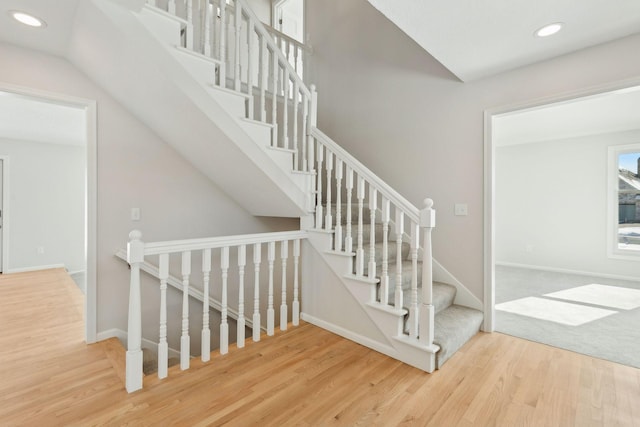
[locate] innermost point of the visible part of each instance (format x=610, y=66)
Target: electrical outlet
x=40, y=250
x=135, y=214
x=461, y=209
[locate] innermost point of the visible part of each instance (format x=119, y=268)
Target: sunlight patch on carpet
x=554, y=311
x=607, y=296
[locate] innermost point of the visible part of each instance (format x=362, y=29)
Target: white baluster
x=319, y=159
x=250, y=67
x=274, y=101
x=284, y=254
x=271, y=256
x=348, y=241
x=296, y=264
x=287, y=51
x=135, y=257
x=222, y=45
x=208, y=12
x=427, y=313
x=163, y=347
x=189, y=35
x=328, y=220
x=295, y=59
x=305, y=111
x=185, y=341
x=384, y=278
x=205, y=354
x=242, y=262
x=238, y=25
x=171, y=7
x=264, y=63
x=312, y=119
x=360, y=250
x=257, y=255
x=224, y=326
x=373, y=203
x=296, y=146
x=337, y=244
x=399, y=232
x=285, y=108
x=413, y=305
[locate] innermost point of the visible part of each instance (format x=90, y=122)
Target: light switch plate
x=461, y=209
x=135, y=214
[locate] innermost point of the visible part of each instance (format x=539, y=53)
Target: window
x=624, y=200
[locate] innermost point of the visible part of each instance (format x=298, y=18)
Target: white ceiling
x=472, y=39
x=616, y=111
x=476, y=39
x=28, y=119
x=58, y=15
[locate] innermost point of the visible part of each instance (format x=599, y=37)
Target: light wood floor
x=306, y=376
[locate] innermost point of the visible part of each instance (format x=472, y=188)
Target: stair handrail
x=136, y=252
x=291, y=40
x=420, y=222
x=410, y=210
x=284, y=62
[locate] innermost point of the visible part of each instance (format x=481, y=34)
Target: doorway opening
x=48, y=154
x=549, y=213
x=288, y=17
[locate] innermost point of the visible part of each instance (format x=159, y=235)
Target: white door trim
x=5, y=212
x=489, y=180
x=90, y=107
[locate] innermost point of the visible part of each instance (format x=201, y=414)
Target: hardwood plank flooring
x=305, y=376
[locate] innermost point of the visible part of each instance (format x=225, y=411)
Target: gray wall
x=551, y=205
x=407, y=118
x=135, y=169
x=46, y=204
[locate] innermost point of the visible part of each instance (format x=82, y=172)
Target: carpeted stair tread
x=392, y=251
x=454, y=326
x=443, y=296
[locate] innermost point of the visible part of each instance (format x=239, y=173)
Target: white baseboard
x=567, y=271
x=122, y=337
x=463, y=295
x=360, y=339
x=34, y=268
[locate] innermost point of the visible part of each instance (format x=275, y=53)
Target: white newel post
x=185, y=340
x=163, y=346
x=135, y=256
x=427, y=222
x=295, y=317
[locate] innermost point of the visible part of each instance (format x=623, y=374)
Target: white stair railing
x=410, y=223
x=209, y=249
x=257, y=61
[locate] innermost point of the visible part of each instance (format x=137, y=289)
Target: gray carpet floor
x=594, y=316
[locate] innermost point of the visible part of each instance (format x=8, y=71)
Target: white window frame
x=613, y=251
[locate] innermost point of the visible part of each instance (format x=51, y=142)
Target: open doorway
x=554, y=273
x=288, y=18
x=48, y=153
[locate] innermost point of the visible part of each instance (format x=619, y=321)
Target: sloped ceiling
x=476, y=39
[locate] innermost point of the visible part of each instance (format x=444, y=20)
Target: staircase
x=367, y=271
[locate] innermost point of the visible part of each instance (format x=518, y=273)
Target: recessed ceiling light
x=549, y=30
x=27, y=19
